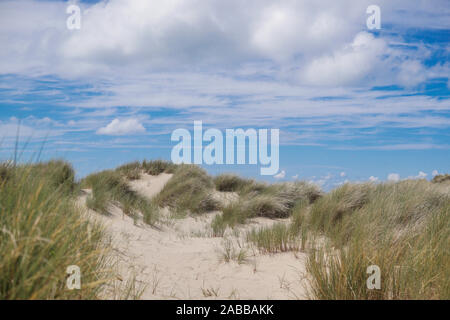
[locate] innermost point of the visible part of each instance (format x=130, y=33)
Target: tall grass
x=404, y=228
x=111, y=186
x=231, y=183
x=281, y=236
x=42, y=232
x=189, y=190
x=155, y=167
x=441, y=178
x=133, y=170
x=272, y=201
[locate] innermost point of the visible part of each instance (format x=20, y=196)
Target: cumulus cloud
x=295, y=177
x=343, y=174
x=394, y=177
x=122, y=127
x=321, y=39
x=347, y=65
x=280, y=175
x=269, y=57
x=434, y=173
x=373, y=179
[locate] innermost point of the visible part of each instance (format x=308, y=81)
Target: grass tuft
x=111, y=186
x=273, y=201
x=189, y=190
x=42, y=232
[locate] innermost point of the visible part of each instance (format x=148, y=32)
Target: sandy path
x=181, y=261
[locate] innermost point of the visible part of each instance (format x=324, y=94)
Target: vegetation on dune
x=231, y=183
x=270, y=201
x=133, y=170
x=404, y=228
x=441, y=178
x=155, y=167
x=42, y=232
x=281, y=236
x=189, y=190
x=111, y=186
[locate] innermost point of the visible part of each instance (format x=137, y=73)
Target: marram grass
x=42, y=232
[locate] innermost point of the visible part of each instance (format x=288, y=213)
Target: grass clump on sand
x=111, y=186
x=404, y=228
x=42, y=232
x=189, y=190
x=231, y=183
x=440, y=178
x=282, y=236
x=133, y=170
x=277, y=238
x=156, y=167
x=270, y=201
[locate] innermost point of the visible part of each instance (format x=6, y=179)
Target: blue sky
x=351, y=103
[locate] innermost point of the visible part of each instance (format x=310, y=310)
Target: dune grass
x=231, y=183
x=155, y=167
x=277, y=238
x=189, y=190
x=440, y=178
x=42, y=232
x=133, y=170
x=112, y=187
x=281, y=236
x=404, y=228
x=270, y=201
x=229, y=252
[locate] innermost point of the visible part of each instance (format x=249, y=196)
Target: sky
x=351, y=103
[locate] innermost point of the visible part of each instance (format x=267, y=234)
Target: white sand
x=180, y=260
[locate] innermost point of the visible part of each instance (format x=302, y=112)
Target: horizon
x=351, y=103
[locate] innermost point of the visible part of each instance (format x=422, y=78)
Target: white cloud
x=412, y=72
x=295, y=177
x=373, y=179
x=347, y=65
x=393, y=177
x=280, y=175
x=200, y=55
x=421, y=175
x=434, y=173
x=122, y=127
x=342, y=174
x=318, y=38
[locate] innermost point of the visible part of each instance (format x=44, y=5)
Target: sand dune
x=180, y=260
